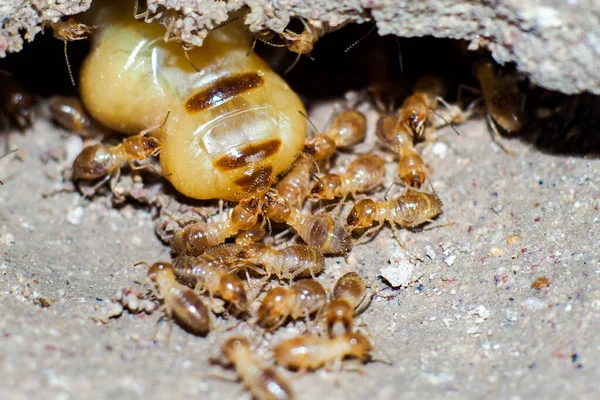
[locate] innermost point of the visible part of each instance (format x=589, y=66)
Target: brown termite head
x=300, y=43
x=233, y=345
x=415, y=109
x=360, y=346
x=70, y=30
x=246, y=213
x=350, y=287
x=140, y=147
x=159, y=268
x=412, y=170
x=327, y=186
x=233, y=290
x=338, y=317
x=273, y=309
x=363, y=214
x=320, y=147
x=413, y=114
x=230, y=123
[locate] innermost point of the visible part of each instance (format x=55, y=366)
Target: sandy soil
x=470, y=326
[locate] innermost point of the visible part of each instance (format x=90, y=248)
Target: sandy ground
x=470, y=327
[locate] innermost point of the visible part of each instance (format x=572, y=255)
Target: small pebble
x=450, y=260
x=439, y=149
x=75, y=216
x=541, y=283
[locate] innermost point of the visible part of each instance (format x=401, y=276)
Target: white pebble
x=450, y=260
x=75, y=216
x=439, y=149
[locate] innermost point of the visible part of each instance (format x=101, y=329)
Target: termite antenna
x=69, y=65
x=387, y=192
x=309, y=121
x=446, y=121
x=222, y=24
x=399, y=55
x=360, y=39
x=156, y=128
x=294, y=64
x=141, y=263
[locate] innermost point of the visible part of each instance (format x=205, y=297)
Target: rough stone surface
x=555, y=43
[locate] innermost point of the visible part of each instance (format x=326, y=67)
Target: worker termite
x=295, y=184
x=349, y=298
x=501, y=97
x=102, y=161
x=69, y=31
x=180, y=301
x=416, y=107
x=321, y=230
x=211, y=278
x=17, y=103
x=300, y=43
x=264, y=382
x=69, y=113
x=408, y=210
x=195, y=238
x=230, y=122
x=312, y=352
x=364, y=174
x=302, y=299
x=288, y=262
x=347, y=129
x=397, y=137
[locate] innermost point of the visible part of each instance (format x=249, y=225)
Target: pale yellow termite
x=231, y=121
